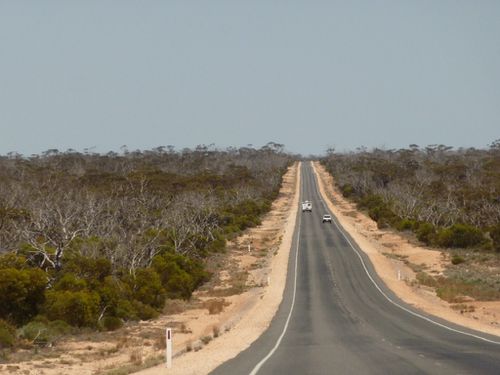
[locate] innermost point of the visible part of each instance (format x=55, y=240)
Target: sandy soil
x=244, y=294
x=387, y=249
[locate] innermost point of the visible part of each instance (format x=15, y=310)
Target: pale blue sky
x=309, y=74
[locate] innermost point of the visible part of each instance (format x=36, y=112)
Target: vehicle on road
x=327, y=218
x=307, y=206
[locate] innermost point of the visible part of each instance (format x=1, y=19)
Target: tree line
x=92, y=240
x=448, y=197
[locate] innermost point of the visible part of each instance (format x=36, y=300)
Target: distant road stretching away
x=335, y=320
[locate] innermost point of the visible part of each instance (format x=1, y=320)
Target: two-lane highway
x=337, y=317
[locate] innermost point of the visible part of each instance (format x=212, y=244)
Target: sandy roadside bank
x=395, y=273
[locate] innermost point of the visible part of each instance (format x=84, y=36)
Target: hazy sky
x=309, y=74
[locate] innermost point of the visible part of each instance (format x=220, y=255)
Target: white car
x=306, y=206
x=327, y=218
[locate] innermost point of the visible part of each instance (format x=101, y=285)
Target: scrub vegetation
x=447, y=198
x=93, y=241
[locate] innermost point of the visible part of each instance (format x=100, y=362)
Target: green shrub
x=80, y=308
x=406, y=224
x=111, y=323
x=43, y=333
x=426, y=279
x=460, y=235
x=92, y=270
x=11, y=260
x=426, y=233
x=495, y=236
x=378, y=210
x=7, y=335
x=370, y=201
x=179, y=275
x=457, y=259
x=347, y=190
x=116, y=295
x=21, y=293
x=70, y=281
x=147, y=288
x=143, y=311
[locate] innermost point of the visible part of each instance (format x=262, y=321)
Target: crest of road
x=337, y=317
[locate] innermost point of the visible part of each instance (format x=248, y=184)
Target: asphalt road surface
x=337, y=317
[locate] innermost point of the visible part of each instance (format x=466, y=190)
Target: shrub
x=11, y=260
x=406, y=224
x=111, y=323
x=454, y=290
x=370, y=201
x=460, y=235
x=69, y=281
x=495, y=236
x=116, y=294
x=143, y=311
x=215, y=306
x=44, y=333
x=457, y=259
x=426, y=279
x=92, y=270
x=21, y=293
x=7, y=335
x=347, y=190
x=378, y=210
x=426, y=233
x=179, y=274
x=80, y=308
x=147, y=288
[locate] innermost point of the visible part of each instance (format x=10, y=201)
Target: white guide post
x=399, y=275
x=168, y=338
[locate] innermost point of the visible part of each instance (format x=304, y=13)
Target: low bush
x=21, y=293
x=347, y=190
x=7, y=335
x=179, y=275
x=495, y=237
x=78, y=309
x=426, y=279
x=111, y=323
x=426, y=233
x=460, y=236
x=455, y=290
x=147, y=288
x=406, y=224
x=42, y=333
x=457, y=259
x=143, y=311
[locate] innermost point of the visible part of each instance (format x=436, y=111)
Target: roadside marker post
x=399, y=275
x=168, y=338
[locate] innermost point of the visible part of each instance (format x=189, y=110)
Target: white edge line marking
x=278, y=342
x=383, y=293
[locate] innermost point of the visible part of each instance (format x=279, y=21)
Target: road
x=336, y=319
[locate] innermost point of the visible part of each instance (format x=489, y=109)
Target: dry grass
x=174, y=306
x=216, y=331
x=215, y=306
x=206, y=339
x=135, y=357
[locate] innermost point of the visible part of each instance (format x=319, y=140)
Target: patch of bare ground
x=224, y=317
x=409, y=269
